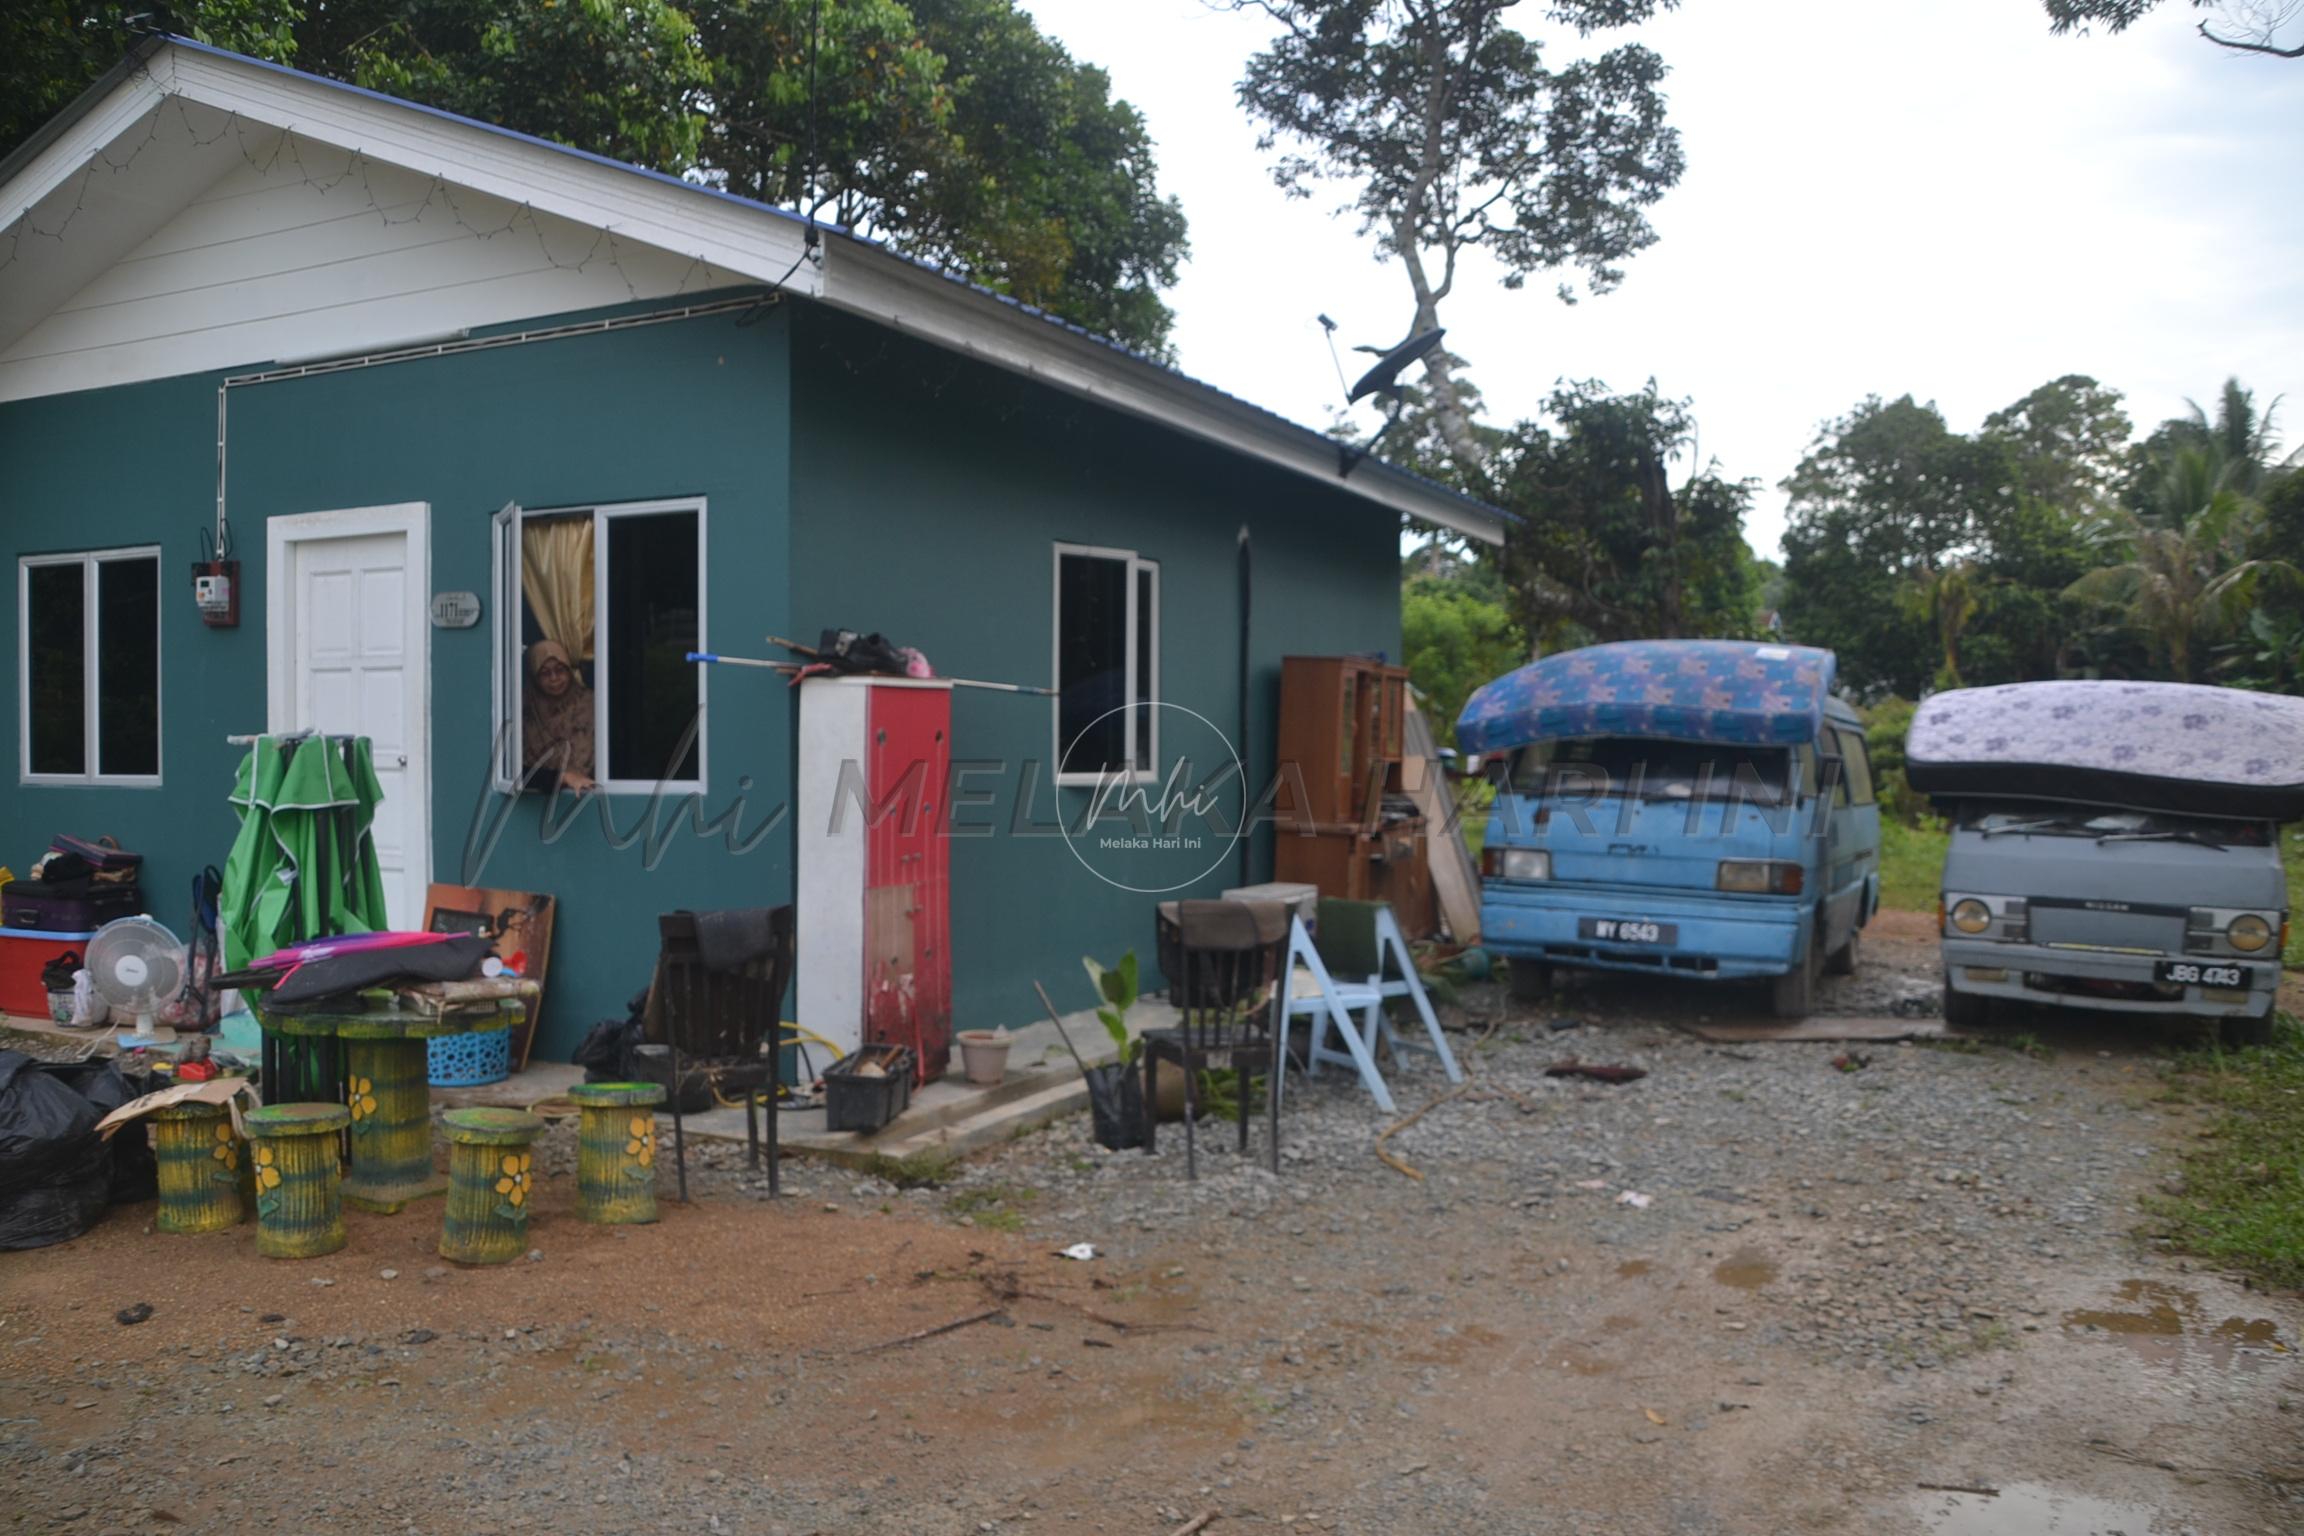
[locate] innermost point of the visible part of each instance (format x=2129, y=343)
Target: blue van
x=1697, y=808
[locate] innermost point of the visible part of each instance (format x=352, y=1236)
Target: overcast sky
x=1933, y=197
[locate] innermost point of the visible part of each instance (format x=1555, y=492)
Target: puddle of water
x=2027, y=1509
x=1747, y=1269
x=1633, y=1269
x=2164, y=1324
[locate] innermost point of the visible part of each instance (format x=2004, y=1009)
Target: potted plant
x=984, y=1056
x=1115, y=1088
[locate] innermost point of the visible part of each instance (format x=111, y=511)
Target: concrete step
x=987, y=1126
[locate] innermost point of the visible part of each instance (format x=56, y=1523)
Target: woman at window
x=556, y=727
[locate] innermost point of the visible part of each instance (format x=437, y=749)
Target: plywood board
x=1454, y=878
x=521, y=921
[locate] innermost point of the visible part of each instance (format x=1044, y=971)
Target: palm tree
x=2186, y=578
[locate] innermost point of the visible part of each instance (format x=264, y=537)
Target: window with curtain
x=598, y=610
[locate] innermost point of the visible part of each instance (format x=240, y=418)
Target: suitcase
x=23, y=904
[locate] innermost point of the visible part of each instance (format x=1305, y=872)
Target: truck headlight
x=1516, y=863
x=1759, y=877
x=2248, y=933
x=1970, y=915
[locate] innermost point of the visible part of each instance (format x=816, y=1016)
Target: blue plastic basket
x=467, y=1061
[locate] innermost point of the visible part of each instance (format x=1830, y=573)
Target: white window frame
x=91, y=716
x=508, y=680
x=1138, y=567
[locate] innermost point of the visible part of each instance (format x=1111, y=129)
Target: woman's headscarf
x=557, y=732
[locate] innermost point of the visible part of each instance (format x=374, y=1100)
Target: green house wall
x=854, y=478
x=929, y=494
x=691, y=408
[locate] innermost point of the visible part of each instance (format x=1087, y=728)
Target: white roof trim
x=738, y=239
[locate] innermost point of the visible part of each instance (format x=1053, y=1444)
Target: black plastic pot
x=1116, y=1105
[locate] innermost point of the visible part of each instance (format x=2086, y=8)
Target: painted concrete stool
x=299, y=1179
x=490, y=1177
x=616, y=1151
x=200, y=1156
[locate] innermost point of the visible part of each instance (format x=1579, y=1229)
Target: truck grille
x=2161, y=933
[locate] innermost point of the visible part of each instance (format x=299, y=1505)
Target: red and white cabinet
x=874, y=870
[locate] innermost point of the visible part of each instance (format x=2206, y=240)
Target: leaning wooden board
x=1454, y=878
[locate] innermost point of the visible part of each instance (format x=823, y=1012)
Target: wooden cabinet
x=1341, y=748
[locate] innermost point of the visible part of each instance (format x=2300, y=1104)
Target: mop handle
x=786, y=666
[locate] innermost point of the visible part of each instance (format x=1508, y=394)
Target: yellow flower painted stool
x=616, y=1151
x=491, y=1180
x=200, y=1156
x=298, y=1176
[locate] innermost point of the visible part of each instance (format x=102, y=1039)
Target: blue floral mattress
x=1731, y=691
x=2154, y=746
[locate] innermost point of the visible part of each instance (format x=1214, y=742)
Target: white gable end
x=302, y=250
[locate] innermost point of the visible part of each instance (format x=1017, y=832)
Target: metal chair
x=719, y=1017
x=1226, y=952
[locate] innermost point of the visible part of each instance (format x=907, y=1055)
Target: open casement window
x=597, y=609
x=88, y=667
x=1107, y=642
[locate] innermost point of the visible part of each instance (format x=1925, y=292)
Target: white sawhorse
x=1354, y=1008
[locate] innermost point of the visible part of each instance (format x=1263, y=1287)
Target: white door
x=355, y=666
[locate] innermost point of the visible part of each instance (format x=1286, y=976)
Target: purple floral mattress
x=2154, y=746
x=1732, y=691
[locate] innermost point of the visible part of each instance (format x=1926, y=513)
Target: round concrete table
x=388, y=1089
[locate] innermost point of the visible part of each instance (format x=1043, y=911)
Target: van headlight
x=1516, y=863
x=1970, y=916
x=1759, y=877
x=2248, y=933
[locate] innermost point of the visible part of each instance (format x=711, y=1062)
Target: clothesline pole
x=790, y=667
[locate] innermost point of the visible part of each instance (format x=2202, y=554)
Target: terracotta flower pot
x=984, y=1055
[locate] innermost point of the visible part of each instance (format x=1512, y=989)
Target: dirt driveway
x=1854, y=1277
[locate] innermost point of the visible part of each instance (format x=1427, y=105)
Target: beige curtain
x=556, y=578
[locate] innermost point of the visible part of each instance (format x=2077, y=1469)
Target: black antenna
x=808, y=171
x=1328, y=326
x=1383, y=381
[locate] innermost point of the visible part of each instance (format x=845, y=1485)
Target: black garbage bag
x=135, y=1166
x=606, y=1054
x=1116, y=1105
x=55, y=1173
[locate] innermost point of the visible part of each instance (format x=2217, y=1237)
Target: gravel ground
x=1860, y=1271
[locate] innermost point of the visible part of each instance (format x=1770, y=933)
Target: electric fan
x=136, y=965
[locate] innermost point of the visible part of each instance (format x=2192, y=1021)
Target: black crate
x=862, y=1102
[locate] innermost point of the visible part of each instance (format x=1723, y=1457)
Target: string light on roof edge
x=287, y=146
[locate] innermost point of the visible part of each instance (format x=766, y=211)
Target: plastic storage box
x=22, y=954
x=855, y=1100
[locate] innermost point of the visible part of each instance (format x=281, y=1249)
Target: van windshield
x=2105, y=825
x=1592, y=767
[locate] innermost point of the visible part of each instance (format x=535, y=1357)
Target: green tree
x=1885, y=497
x=2181, y=575
x=2247, y=26
x=1607, y=548
x=1455, y=634
x=1454, y=136
x=622, y=78
x=50, y=50
x=2066, y=442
